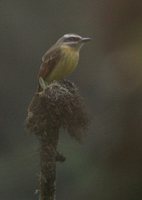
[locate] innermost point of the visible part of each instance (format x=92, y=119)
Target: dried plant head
x=58, y=106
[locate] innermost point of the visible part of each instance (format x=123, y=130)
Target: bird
x=61, y=59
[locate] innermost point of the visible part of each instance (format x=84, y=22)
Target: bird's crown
x=70, y=37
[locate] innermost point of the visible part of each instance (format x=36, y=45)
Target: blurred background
x=108, y=165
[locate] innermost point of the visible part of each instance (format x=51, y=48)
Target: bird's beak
x=85, y=39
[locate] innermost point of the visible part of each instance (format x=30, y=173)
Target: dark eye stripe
x=74, y=39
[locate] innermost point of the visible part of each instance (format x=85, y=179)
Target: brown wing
x=50, y=59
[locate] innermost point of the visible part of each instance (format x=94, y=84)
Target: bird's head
x=73, y=40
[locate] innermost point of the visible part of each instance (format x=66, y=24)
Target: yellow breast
x=66, y=65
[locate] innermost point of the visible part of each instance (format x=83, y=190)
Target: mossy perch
x=58, y=106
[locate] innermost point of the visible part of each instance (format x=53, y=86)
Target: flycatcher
x=61, y=59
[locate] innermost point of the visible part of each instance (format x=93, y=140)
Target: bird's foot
x=43, y=84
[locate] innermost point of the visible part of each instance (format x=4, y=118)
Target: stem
x=48, y=164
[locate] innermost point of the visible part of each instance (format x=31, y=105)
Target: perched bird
x=61, y=59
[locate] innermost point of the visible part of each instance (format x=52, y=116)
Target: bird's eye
x=72, y=39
